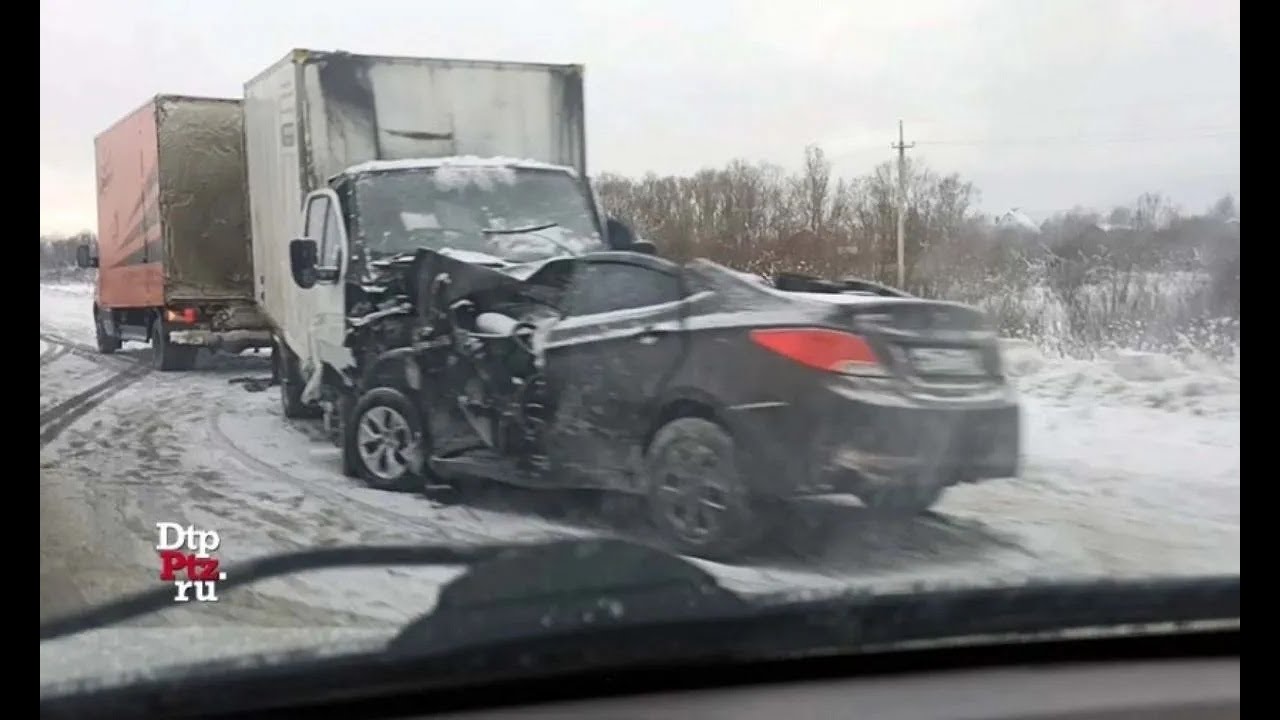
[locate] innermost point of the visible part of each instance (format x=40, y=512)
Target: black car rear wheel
x=697, y=496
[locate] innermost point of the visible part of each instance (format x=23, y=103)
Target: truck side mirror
x=302, y=262
x=619, y=235
x=85, y=258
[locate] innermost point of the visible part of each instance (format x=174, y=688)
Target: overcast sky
x=1043, y=104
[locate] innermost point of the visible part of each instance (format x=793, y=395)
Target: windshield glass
x=825, y=301
x=513, y=213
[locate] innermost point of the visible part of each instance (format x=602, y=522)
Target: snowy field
x=1132, y=467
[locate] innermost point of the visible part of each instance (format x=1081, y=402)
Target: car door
x=607, y=360
x=323, y=306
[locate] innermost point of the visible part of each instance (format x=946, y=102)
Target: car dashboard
x=1196, y=689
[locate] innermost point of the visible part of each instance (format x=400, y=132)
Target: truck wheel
x=285, y=368
x=167, y=356
x=903, y=499
x=383, y=439
x=107, y=344
x=698, y=497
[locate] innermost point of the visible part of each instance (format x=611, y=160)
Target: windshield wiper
x=533, y=229
x=518, y=231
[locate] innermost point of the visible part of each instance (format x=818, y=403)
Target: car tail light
x=185, y=315
x=829, y=350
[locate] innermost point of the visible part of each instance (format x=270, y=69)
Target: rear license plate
x=946, y=361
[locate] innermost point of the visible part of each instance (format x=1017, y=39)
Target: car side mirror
x=302, y=262
x=85, y=258
x=619, y=234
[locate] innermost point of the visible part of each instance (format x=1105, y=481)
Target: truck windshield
x=452, y=206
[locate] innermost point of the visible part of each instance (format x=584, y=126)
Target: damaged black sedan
x=709, y=392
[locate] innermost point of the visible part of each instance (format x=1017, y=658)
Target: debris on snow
x=253, y=384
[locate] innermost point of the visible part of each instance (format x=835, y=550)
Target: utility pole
x=902, y=148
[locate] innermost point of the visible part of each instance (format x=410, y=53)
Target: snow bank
x=1143, y=366
x=1195, y=385
x=67, y=308
x=74, y=289
x=1174, y=311
x=1021, y=357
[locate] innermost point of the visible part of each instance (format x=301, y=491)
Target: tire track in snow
x=90, y=353
x=70, y=345
x=53, y=353
x=57, y=418
x=60, y=416
x=374, y=514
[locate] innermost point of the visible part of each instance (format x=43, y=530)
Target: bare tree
x=1225, y=208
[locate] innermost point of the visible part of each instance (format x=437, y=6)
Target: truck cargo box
x=314, y=114
x=172, y=215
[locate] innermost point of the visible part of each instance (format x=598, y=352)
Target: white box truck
x=367, y=158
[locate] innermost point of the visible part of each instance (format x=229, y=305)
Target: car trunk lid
x=928, y=348
x=933, y=347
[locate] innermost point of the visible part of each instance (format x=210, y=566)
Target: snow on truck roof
x=460, y=161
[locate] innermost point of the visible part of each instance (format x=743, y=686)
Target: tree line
x=1079, y=281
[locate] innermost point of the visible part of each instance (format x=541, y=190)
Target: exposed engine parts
x=476, y=330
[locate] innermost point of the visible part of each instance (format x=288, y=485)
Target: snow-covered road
x=1132, y=467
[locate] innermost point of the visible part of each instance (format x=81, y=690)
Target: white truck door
x=322, y=308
